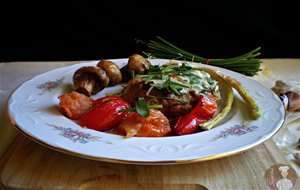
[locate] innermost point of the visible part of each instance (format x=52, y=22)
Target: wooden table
x=28, y=165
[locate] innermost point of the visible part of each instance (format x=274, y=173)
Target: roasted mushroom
x=112, y=70
x=126, y=75
x=138, y=63
x=90, y=80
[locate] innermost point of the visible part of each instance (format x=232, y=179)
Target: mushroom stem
x=85, y=87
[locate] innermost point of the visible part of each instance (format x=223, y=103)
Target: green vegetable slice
x=226, y=92
x=255, y=111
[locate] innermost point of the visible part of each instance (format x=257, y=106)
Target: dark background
x=82, y=30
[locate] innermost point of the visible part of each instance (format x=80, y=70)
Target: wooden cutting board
x=28, y=165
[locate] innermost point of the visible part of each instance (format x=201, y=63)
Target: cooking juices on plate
x=157, y=100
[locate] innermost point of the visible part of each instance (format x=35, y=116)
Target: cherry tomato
x=155, y=125
x=104, y=115
x=106, y=98
x=203, y=111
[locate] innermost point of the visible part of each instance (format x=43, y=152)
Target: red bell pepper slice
x=104, y=115
x=203, y=111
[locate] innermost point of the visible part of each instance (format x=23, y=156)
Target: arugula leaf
x=142, y=108
x=210, y=81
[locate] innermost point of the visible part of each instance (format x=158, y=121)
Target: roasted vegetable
x=112, y=70
x=90, y=80
x=203, y=111
x=255, y=111
x=74, y=104
x=227, y=97
x=138, y=63
x=155, y=125
x=226, y=82
x=104, y=115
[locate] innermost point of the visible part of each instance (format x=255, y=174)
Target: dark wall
x=81, y=30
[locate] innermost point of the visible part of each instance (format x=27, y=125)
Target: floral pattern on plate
x=236, y=130
x=50, y=85
x=76, y=136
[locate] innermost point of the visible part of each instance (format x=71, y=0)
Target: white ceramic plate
x=33, y=110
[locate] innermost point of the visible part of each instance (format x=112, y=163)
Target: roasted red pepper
x=104, y=115
x=203, y=111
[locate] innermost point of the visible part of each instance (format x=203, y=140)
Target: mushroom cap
x=112, y=70
x=93, y=75
x=138, y=63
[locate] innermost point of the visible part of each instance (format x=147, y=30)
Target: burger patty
x=173, y=105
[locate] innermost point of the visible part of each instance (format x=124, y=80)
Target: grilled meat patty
x=176, y=86
x=173, y=105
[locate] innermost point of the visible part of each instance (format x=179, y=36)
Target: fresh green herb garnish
x=246, y=64
x=169, y=98
x=163, y=73
x=210, y=81
x=169, y=83
x=176, y=78
x=132, y=73
x=142, y=108
x=170, y=69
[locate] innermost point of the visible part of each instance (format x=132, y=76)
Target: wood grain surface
x=28, y=165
